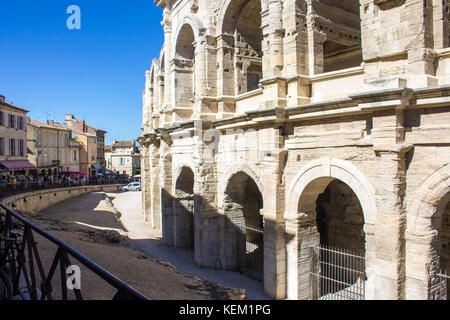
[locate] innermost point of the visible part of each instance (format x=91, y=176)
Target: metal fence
x=32, y=279
x=9, y=189
x=337, y=274
x=439, y=286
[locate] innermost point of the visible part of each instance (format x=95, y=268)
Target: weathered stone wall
x=373, y=128
x=34, y=202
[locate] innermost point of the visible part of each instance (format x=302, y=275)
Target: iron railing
x=9, y=189
x=30, y=280
x=337, y=274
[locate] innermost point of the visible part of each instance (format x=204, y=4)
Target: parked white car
x=134, y=186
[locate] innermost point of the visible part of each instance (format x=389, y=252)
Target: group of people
x=13, y=184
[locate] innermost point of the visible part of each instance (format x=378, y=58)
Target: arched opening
x=242, y=22
x=336, y=220
x=184, y=65
x=340, y=218
x=244, y=229
x=340, y=23
x=184, y=209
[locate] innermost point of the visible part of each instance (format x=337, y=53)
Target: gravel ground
x=149, y=242
x=84, y=223
x=93, y=223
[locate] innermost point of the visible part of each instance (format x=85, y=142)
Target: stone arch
x=183, y=207
x=425, y=219
x=244, y=226
x=183, y=71
x=193, y=24
x=240, y=26
x=323, y=171
x=232, y=170
x=177, y=172
x=302, y=226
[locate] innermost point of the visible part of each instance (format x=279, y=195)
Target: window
x=2, y=146
x=12, y=147
x=11, y=121
x=20, y=123
x=121, y=161
x=75, y=155
x=2, y=118
x=21, y=148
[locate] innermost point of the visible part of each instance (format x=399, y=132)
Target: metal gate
x=439, y=286
x=337, y=274
x=254, y=252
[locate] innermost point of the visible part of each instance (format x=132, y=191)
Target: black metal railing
x=12, y=189
x=30, y=280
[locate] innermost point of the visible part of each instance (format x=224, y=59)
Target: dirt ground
x=90, y=225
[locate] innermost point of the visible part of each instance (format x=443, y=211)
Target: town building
x=299, y=130
x=88, y=153
x=80, y=126
x=50, y=148
x=100, y=134
x=123, y=157
x=13, y=139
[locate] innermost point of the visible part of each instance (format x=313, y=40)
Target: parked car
x=134, y=186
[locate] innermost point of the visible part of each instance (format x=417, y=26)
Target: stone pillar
x=296, y=64
x=273, y=83
x=147, y=104
x=385, y=241
x=166, y=195
x=397, y=33
x=316, y=39
x=205, y=202
x=154, y=186
x=273, y=212
x=145, y=181
x=167, y=26
x=204, y=78
x=301, y=234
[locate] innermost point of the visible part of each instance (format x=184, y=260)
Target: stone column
x=145, y=181
x=154, y=186
x=274, y=84
x=204, y=78
x=166, y=195
x=296, y=64
x=147, y=104
x=205, y=202
x=167, y=25
x=316, y=39
x=226, y=88
x=400, y=34
x=273, y=212
x=385, y=241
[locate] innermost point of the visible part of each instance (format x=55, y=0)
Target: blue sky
x=96, y=73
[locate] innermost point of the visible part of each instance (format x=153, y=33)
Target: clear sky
x=96, y=73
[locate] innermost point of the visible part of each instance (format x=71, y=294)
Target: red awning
x=18, y=165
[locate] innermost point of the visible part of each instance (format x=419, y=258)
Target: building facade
x=88, y=152
x=80, y=126
x=273, y=128
x=123, y=157
x=13, y=139
x=50, y=148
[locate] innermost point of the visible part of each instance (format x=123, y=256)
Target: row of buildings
x=31, y=147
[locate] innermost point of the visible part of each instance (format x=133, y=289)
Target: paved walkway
x=149, y=241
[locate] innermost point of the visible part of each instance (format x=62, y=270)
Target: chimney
x=2, y=98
